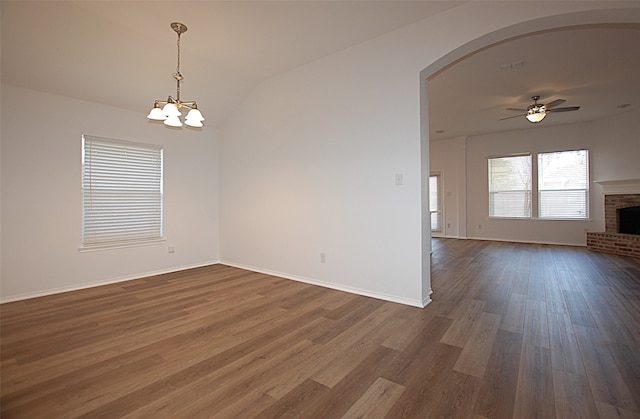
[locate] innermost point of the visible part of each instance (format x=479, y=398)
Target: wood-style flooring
x=514, y=331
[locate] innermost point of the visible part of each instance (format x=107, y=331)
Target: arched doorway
x=550, y=23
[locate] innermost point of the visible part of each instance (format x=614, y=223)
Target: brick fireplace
x=617, y=195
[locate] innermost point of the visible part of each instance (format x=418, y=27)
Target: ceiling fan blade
x=554, y=103
x=513, y=116
x=567, y=109
x=516, y=109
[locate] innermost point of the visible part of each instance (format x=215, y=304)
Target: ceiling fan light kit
x=538, y=111
x=168, y=110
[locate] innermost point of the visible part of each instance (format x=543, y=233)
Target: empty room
x=320, y=209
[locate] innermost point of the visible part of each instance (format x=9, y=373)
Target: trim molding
x=526, y=241
x=619, y=187
x=351, y=290
x=85, y=285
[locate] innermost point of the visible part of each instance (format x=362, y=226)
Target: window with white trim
x=435, y=201
x=561, y=189
x=510, y=186
x=563, y=184
x=121, y=192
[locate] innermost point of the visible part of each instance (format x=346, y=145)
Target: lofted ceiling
x=123, y=54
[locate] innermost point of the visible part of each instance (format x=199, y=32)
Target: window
x=121, y=192
x=510, y=186
x=435, y=202
x=563, y=184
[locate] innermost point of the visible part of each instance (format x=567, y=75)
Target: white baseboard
x=338, y=287
x=85, y=285
x=352, y=290
x=527, y=241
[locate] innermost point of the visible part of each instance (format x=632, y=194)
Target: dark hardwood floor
x=514, y=331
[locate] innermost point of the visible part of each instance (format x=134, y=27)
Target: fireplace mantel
x=619, y=187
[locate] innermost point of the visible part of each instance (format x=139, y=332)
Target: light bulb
x=195, y=114
x=156, y=114
x=170, y=110
x=536, y=117
x=173, y=121
x=193, y=123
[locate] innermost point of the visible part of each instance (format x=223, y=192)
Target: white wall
x=310, y=159
x=310, y=166
x=616, y=152
x=614, y=147
x=449, y=159
x=41, y=195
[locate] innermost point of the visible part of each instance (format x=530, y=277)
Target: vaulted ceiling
x=123, y=53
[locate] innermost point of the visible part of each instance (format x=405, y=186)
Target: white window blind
x=563, y=184
x=510, y=186
x=121, y=192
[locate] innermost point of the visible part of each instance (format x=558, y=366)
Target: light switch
x=398, y=179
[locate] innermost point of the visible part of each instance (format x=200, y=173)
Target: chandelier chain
x=178, y=76
x=169, y=111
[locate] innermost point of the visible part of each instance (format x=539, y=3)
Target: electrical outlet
x=172, y=249
x=323, y=258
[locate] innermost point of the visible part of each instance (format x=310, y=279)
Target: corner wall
x=42, y=197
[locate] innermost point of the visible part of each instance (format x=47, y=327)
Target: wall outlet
x=323, y=258
x=172, y=248
x=479, y=226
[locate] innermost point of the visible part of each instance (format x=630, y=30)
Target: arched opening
x=551, y=23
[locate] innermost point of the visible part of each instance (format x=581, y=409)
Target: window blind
x=563, y=184
x=510, y=186
x=121, y=192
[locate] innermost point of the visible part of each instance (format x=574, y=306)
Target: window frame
x=585, y=190
x=530, y=189
x=535, y=192
x=439, y=211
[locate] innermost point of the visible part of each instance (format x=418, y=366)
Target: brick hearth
x=610, y=241
x=615, y=243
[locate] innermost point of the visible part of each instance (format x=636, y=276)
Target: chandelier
x=169, y=110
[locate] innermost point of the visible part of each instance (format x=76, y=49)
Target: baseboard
x=351, y=290
x=448, y=236
x=85, y=285
x=527, y=241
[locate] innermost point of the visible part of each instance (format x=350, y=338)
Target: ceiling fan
x=536, y=112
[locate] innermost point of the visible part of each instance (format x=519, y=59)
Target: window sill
x=120, y=245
